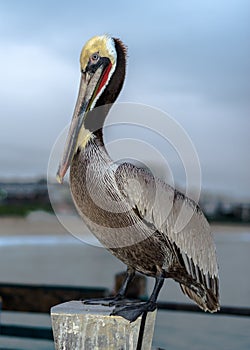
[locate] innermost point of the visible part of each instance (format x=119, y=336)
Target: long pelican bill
x=90, y=86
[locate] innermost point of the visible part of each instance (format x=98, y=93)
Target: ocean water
x=65, y=260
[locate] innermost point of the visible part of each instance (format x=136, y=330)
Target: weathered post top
x=77, y=326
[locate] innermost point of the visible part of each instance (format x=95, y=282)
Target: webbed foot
x=133, y=310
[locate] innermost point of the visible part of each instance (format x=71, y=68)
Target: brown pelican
x=119, y=202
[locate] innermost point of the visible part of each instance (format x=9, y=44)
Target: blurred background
x=187, y=58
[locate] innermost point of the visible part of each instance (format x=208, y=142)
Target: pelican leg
x=132, y=311
x=110, y=301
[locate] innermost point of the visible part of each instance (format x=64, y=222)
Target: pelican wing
x=175, y=216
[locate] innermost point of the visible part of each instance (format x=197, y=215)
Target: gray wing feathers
x=173, y=215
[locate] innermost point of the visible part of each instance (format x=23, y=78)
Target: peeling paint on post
x=89, y=327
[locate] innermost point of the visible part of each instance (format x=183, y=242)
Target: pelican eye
x=94, y=62
x=95, y=57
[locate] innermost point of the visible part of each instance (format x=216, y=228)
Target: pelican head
x=98, y=60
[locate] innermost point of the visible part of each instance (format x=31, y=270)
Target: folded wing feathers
x=159, y=204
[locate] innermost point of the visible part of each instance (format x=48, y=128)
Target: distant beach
x=33, y=224
x=37, y=223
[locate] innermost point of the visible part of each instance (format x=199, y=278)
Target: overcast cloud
x=188, y=58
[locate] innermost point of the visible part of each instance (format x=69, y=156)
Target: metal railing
x=37, y=332
x=224, y=310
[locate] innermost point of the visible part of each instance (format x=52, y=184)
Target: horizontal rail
x=60, y=293
x=225, y=310
x=46, y=332
x=24, y=297
x=26, y=332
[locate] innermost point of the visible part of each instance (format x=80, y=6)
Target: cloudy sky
x=189, y=58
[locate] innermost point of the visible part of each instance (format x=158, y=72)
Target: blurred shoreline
x=36, y=223
x=41, y=223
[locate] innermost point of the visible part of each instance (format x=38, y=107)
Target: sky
x=189, y=58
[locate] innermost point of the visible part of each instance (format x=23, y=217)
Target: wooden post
x=89, y=327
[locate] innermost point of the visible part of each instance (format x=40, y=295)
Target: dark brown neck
x=96, y=118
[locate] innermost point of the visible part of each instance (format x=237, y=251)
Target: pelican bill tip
x=59, y=178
